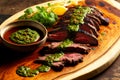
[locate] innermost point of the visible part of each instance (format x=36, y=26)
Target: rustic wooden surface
x=13, y=6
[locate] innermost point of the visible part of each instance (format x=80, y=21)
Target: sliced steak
x=99, y=14
x=57, y=66
x=95, y=18
x=96, y=11
x=75, y=47
x=68, y=59
x=72, y=59
x=92, y=22
x=84, y=37
x=89, y=28
x=96, y=23
x=58, y=35
x=105, y=21
x=83, y=49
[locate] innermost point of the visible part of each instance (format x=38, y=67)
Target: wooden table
x=10, y=7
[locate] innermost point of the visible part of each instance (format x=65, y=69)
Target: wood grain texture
x=96, y=61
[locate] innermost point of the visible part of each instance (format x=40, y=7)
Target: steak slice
x=59, y=34
x=95, y=18
x=89, y=28
x=68, y=59
x=84, y=37
x=99, y=14
x=72, y=59
x=95, y=10
x=75, y=47
x=57, y=66
x=92, y=22
x=104, y=21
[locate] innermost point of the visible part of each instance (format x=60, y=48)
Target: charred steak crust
x=84, y=37
x=89, y=28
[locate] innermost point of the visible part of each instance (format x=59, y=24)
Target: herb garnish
x=65, y=43
x=28, y=72
x=79, y=14
x=53, y=58
x=77, y=17
x=41, y=15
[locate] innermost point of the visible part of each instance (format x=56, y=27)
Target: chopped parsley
x=65, y=43
x=77, y=17
x=41, y=15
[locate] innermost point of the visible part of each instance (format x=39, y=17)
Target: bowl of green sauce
x=23, y=35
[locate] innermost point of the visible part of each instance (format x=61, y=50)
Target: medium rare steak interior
x=73, y=35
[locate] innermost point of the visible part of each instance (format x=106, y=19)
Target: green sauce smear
x=65, y=43
x=77, y=17
x=28, y=72
x=53, y=58
x=79, y=14
x=25, y=36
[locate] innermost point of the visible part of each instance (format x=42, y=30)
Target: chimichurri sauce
x=77, y=17
x=28, y=72
x=79, y=14
x=25, y=36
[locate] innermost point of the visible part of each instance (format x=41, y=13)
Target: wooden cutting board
x=93, y=63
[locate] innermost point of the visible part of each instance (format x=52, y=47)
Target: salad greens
x=41, y=15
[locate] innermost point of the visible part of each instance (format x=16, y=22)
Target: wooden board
x=93, y=63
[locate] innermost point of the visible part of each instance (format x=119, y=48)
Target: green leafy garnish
x=29, y=11
x=41, y=15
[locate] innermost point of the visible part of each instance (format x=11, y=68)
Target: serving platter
x=93, y=63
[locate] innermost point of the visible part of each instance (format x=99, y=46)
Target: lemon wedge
x=58, y=10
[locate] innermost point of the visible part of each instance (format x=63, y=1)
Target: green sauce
x=65, y=43
x=28, y=72
x=77, y=17
x=25, y=36
x=73, y=27
x=53, y=58
x=79, y=14
x=43, y=68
